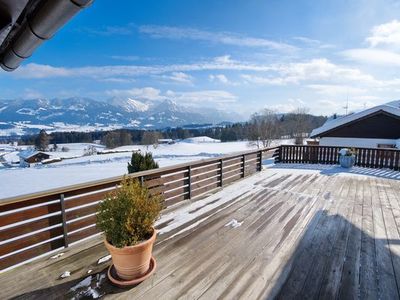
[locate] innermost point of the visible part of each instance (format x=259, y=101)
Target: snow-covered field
x=17, y=181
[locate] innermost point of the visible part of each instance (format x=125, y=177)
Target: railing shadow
x=331, y=170
x=337, y=260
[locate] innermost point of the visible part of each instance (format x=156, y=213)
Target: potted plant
x=347, y=158
x=126, y=217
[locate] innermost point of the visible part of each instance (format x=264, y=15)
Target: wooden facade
x=379, y=125
x=37, y=157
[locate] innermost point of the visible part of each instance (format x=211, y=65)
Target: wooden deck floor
x=303, y=235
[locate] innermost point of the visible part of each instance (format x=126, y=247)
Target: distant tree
x=141, y=162
x=117, y=138
x=301, y=124
x=42, y=140
x=151, y=138
x=90, y=150
x=264, y=127
x=55, y=147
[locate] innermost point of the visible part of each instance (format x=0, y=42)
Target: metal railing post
x=190, y=181
x=244, y=163
x=221, y=168
x=64, y=220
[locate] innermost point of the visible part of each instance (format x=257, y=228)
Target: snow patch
x=57, y=255
x=104, y=259
x=65, y=274
x=233, y=223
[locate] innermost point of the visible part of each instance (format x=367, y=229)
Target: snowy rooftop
x=390, y=107
x=290, y=231
x=25, y=154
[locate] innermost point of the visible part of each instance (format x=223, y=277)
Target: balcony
x=288, y=231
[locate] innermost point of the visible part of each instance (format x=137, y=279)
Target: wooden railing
x=365, y=157
x=35, y=224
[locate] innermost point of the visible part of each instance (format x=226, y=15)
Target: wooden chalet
x=377, y=127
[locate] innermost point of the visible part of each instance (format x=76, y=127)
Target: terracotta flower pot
x=132, y=261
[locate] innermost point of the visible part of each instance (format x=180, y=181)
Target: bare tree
x=264, y=128
x=151, y=138
x=301, y=124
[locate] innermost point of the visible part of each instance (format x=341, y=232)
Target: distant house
x=376, y=127
x=166, y=141
x=27, y=157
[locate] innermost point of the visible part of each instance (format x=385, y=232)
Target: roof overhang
x=26, y=24
x=351, y=119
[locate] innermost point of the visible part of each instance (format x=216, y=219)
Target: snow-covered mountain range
x=22, y=116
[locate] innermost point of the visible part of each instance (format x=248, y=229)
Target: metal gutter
x=41, y=25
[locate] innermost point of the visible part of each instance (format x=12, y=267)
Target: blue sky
x=233, y=55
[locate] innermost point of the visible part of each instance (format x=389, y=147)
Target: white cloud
x=287, y=106
x=313, y=70
x=127, y=29
x=38, y=71
x=373, y=56
x=179, y=77
x=201, y=97
x=313, y=43
x=146, y=93
x=337, y=90
x=33, y=70
x=193, y=98
x=125, y=58
x=221, y=78
x=227, y=38
x=387, y=34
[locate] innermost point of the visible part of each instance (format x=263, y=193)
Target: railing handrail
x=94, y=183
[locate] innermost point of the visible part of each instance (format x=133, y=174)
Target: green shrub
x=141, y=162
x=127, y=215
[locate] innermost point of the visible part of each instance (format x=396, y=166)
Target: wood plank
x=86, y=199
x=205, y=189
x=30, y=240
x=331, y=276
x=391, y=227
x=205, y=182
x=81, y=212
x=176, y=192
x=235, y=168
x=216, y=172
x=386, y=284
x=79, y=235
x=19, y=230
x=30, y=253
x=72, y=226
x=175, y=177
x=368, y=275
x=27, y=203
x=207, y=168
x=308, y=250
x=29, y=214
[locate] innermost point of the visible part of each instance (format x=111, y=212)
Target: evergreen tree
x=140, y=162
x=42, y=140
